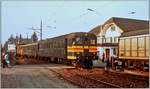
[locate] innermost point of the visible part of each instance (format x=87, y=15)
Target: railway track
x=86, y=81
x=100, y=82
x=134, y=77
x=116, y=79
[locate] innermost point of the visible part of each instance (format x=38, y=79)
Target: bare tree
x=34, y=37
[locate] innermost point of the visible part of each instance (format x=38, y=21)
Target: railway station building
x=123, y=38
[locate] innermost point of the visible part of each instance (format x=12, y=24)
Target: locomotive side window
x=71, y=54
x=78, y=40
x=86, y=41
x=92, y=42
x=73, y=41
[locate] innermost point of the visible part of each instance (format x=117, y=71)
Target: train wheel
x=55, y=60
x=74, y=63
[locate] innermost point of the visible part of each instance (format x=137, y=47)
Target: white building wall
x=108, y=33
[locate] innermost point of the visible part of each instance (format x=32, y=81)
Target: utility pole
x=41, y=29
x=38, y=29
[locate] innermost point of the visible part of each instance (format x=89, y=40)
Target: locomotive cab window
x=78, y=40
x=73, y=41
x=92, y=42
x=86, y=40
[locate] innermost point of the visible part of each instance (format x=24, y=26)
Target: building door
x=107, y=54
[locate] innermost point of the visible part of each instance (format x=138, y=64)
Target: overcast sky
x=66, y=16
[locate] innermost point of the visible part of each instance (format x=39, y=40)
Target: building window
x=113, y=28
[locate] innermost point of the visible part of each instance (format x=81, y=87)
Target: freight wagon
x=134, y=51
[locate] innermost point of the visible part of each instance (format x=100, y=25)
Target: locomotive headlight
x=86, y=34
x=78, y=52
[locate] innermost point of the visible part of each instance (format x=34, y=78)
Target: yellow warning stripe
x=71, y=57
x=93, y=47
x=86, y=47
x=81, y=48
x=75, y=51
x=74, y=46
x=92, y=50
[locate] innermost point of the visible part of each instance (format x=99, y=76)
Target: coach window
x=49, y=44
x=53, y=44
x=62, y=44
x=56, y=44
x=46, y=44
x=59, y=44
x=43, y=45
x=69, y=42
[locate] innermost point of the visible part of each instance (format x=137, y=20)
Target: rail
x=86, y=78
x=100, y=81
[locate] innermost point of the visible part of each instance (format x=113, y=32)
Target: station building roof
x=130, y=27
x=96, y=30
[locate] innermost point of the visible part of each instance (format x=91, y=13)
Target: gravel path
x=33, y=76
